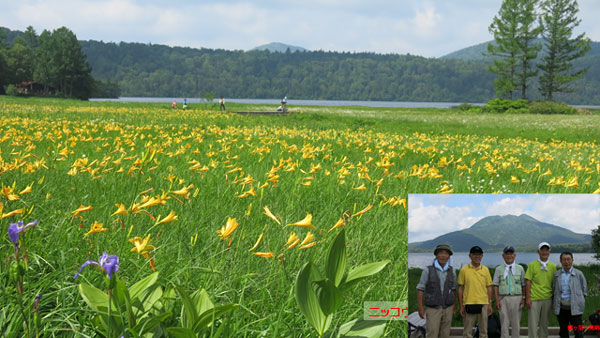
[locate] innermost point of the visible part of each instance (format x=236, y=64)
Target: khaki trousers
x=510, y=315
x=482, y=322
x=539, y=317
x=438, y=321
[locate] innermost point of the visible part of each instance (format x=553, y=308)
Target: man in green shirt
x=538, y=292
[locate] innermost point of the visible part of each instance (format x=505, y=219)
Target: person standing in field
x=475, y=294
x=570, y=290
x=509, y=292
x=174, y=104
x=438, y=284
x=221, y=103
x=538, y=292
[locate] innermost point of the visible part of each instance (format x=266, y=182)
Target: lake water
x=330, y=103
x=276, y=102
x=493, y=259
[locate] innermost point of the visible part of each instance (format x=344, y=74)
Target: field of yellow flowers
x=235, y=205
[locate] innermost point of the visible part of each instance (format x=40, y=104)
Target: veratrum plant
x=134, y=311
x=318, y=297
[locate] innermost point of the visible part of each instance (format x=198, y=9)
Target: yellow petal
x=264, y=254
x=363, y=210
x=305, y=223
x=257, y=242
x=339, y=223
x=270, y=215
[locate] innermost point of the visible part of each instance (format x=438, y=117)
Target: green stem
x=109, y=312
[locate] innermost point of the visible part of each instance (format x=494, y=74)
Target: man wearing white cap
x=538, y=292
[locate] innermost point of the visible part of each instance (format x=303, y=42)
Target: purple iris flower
x=14, y=229
x=108, y=264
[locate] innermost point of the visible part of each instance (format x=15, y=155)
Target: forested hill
x=157, y=70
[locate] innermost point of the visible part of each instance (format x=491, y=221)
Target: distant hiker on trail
x=284, y=103
x=222, y=103
x=184, y=103
x=174, y=104
x=538, y=292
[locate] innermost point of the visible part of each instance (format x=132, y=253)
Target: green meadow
x=181, y=174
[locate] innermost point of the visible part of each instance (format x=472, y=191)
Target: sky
x=430, y=28
x=432, y=215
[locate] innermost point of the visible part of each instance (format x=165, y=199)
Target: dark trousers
x=564, y=319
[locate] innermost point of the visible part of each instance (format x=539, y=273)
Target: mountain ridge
x=495, y=232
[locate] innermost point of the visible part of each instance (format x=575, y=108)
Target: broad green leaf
x=307, y=300
x=362, y=328
x=181, y=332
x=136, y=289
x=364, y=271
x=202, y=301
x=189, y=316
x=149, y=324
x=330, y=298
x=124, y=300
x=209, y=316
x=93, y=296
x=336, y=260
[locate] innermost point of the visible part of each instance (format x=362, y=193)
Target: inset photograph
x=503, y=264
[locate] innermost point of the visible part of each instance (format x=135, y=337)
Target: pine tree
x=559, y=20
x=527, y=33
x=514, y=31
x=505, y=28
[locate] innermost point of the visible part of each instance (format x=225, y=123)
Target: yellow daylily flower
x=514, y=179
x=257, y=242
x=12, y=213
x=141, y=245
x=361, y=187
x=27, y=190
x=363, y=210
x=121, y=210
x=339, y=223
x=170, y=218
x=228, y=229
x=572, y=183
x=305, y=223
x=264, y=254
x=96, y=229
x=309, y=238
x=183, y=191
x=292, y=238
x=81, y=209
x=270, y=215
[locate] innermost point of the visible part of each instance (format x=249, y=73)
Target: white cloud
x=429, y=221
x=428, y=28
x=579, y=212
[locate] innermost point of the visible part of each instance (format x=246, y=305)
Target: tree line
x=53, y=60
x=516, y=30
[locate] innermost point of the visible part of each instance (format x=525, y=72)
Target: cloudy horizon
x=430, y=28
x=432, y=215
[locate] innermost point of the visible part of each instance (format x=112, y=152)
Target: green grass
x=592, y=301
x=401, y=150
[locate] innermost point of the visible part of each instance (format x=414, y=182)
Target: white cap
x=544, y=244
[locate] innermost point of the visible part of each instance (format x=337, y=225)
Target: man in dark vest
x=438, y=284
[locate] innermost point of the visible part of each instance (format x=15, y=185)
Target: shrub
x=12, y=90
x=467, y=107
x=551, y=107
x=497, y=105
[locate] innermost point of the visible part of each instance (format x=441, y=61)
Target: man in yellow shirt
x=475, y=294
